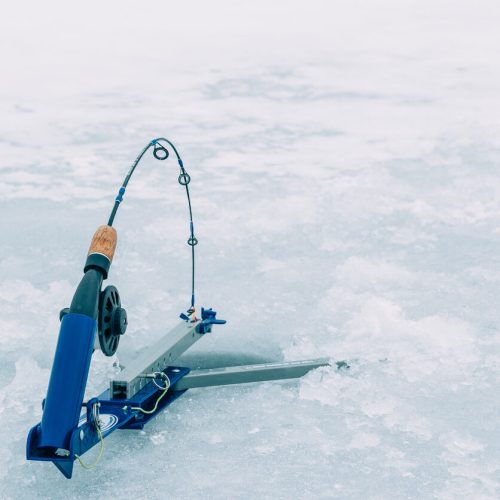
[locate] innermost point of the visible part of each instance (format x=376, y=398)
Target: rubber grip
x=104, y=242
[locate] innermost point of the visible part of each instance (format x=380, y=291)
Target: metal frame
x=154, y=358
x=245, y=374
x=134, y=377
x=133, y=398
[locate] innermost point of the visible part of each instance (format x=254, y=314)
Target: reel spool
x=112, y=320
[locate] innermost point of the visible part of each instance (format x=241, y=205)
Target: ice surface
x=345, y=159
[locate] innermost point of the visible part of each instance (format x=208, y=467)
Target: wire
x=97, y=424
x=160, y=152
x=162, y=395
x=95, y=463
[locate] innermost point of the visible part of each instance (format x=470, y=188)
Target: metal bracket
x=247, y=373
x=154, y=358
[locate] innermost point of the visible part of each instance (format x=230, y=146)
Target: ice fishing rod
x=160, y=152
x=105, y=306
x=96, y=320
x=148, y=384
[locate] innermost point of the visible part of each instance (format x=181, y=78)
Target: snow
x=345, y=163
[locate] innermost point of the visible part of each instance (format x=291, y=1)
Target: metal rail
x=247, y=373
x=154, y=358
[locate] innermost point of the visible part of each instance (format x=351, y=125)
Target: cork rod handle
x=104, y=242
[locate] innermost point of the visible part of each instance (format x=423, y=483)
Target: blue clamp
x=208, y=319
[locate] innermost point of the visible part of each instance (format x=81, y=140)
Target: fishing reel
x=111, y=321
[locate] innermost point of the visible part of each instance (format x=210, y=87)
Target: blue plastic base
x=114, y=414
